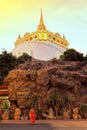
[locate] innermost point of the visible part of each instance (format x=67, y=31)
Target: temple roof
x=3, y=90
x=42, y=34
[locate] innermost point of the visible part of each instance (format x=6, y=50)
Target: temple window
x=54, y=38
x=57, y=40
x=30, y=38
x=35, y=36
x=49, y=36
x=40, y=36
x=43, y=36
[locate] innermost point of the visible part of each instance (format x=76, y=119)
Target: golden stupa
x=41, y=44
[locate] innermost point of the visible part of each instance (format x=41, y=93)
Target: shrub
x=83, y=110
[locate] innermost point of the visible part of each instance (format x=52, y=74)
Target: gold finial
x=64, y=36
x=41, y=18
x=41, y=25
x=19, y=36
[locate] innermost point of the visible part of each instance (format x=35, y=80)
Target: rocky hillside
x=41, y=78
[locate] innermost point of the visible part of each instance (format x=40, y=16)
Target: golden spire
x=41, y=25
x=64, y=36
x=19, y=36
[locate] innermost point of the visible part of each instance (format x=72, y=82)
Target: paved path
x=44, y=125
x=25, y=127
x=69, y=124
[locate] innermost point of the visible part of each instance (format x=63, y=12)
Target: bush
x=8, y=62
x=72, y=55
x=83, y=110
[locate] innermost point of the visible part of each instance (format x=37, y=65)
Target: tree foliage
x=8, y=62
x=83, y=110
x=58, y=102
x=4, y=104
x=23, y=58
x=85, y=59
x=72, y=55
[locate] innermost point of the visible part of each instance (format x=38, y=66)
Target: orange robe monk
x=32, y=115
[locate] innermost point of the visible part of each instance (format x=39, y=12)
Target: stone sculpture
x=50, y=114
x=6, y=115
x=76, y=113
x=17, y=114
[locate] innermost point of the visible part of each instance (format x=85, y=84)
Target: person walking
x=32, y=115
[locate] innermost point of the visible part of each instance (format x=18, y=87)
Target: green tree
x=55, y=101
x=8, y=62
x=65, y=103
x=83, y=110
x=4, y=104
x=85, y=59
x=23, y=58
x=72, y=55
x=58, y=102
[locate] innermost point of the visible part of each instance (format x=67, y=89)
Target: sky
x=68, y=17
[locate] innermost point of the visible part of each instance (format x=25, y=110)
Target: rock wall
x=41, y=78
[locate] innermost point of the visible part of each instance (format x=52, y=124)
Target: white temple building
x=41, y=44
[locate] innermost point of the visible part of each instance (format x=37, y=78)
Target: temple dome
x=39, y=50
x=41, y=44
